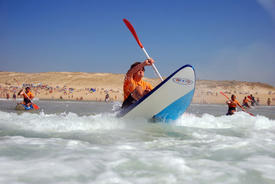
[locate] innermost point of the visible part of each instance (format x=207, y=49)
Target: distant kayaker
x=134, y=86
x=245, y=102
x=232, y=105
x=252, y=99
x=27, y=95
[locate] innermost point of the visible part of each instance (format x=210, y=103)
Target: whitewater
x=84, y=142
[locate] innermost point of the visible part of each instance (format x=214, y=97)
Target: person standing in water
x=268, y=102
x=14, y=96
x=232, y=105
x=107, y=97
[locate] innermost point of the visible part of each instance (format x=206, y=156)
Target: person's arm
x=147, y=62
x=19, y=93
x=149, y=87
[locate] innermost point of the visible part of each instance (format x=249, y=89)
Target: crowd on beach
x=61, y=93
x=44, y=91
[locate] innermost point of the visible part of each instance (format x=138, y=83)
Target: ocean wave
x=239, y=120
x=72, y=122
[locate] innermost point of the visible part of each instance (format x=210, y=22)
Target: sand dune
x=55, y=85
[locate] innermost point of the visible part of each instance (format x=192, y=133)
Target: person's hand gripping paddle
x=131, y=28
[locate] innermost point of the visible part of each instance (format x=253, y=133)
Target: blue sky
x=222, y=39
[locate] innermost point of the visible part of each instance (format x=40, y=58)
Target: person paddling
x=252, y=99
x=232, y=105
x=245, y=102
x=134, y=86
x=27, y=95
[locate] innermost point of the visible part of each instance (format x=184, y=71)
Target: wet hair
x=233, y=96
x=28, y=88
x=135, y=64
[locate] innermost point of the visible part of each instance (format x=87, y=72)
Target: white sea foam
x=64, y=122
x=239, y=120
x=100, y=148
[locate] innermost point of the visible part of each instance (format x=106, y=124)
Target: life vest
x=233, y=104
x=30, y=95
x=27, y=98
x=130, y=85
x=245, y=101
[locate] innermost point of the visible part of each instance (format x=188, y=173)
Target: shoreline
x=88, y=101
x=78, y=86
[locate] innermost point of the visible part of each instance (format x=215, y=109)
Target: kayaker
x=232, y=105
x=245, y=102
x=252, y=99
x=134, y=86
x=27, y=95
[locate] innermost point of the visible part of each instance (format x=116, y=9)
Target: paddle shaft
x=154, y=67
x=132, y=30
x=224, y=95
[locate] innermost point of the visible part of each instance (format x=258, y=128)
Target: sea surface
x=69, y=142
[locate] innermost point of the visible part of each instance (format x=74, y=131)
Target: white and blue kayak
x=167, y=101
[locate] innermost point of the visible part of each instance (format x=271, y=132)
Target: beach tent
x=92, y=90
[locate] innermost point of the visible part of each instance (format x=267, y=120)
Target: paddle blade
x=35, y=106
x=131, y=28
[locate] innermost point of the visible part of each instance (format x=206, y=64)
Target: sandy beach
x=95, y=86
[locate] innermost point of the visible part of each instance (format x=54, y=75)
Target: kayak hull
x=22, y=107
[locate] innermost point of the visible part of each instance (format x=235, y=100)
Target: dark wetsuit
x=26, y=100
x=129, y=101
x=232, y=107
x=231, y=110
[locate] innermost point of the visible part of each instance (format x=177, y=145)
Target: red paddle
x=131, y=28
x=242, y=108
